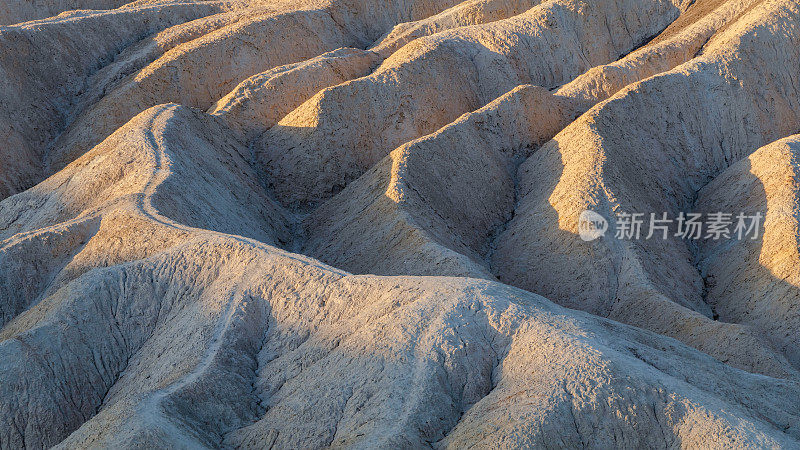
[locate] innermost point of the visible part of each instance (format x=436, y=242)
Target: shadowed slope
x=650, y=149
x=431, y=206
x=148, y=297
x=16, y=11
x=37, y=93
x=334, y=137
x=87, y=214
x=755, y=281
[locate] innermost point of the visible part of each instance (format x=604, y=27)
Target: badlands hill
x=354, y=223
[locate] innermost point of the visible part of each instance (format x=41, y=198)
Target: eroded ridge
x=270, y=224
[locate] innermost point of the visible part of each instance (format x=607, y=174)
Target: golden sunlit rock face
x=399, y=224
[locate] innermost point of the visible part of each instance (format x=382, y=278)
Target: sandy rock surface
x=275, y=224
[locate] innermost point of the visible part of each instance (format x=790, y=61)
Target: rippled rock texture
x=354, y=223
